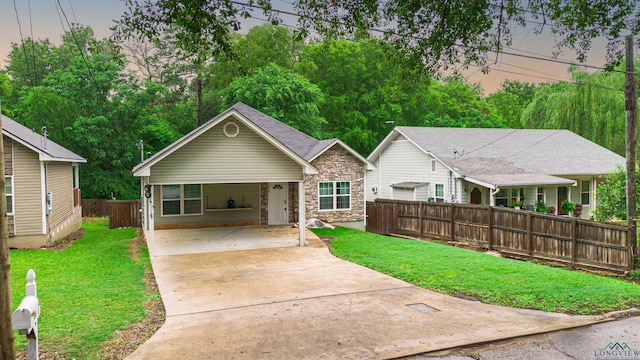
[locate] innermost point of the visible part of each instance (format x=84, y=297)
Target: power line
x=82, y=55
x=493, y=69
x=539, y=58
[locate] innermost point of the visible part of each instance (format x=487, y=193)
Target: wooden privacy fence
x=124, y=213
x=517, y=232
x=95, y=207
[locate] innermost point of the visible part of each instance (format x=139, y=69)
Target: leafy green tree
x=592, y=107
x=5, y=88
x=612, y=198
x=511, y=100
x=93, y=108
x=437, y=33
x=281, y=94
x=366, y=92
x=454, y=103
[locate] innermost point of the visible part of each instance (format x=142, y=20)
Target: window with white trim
x=585, y=193
x=8, y=184
x=540, y=194
x=334, y=195
x=181, y=199
x=439, y=192
x=433, y=165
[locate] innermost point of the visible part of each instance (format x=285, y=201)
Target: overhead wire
x=80, y=50
x=493, y=69
x=540, y=58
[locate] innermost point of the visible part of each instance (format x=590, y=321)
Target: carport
x=228, y=173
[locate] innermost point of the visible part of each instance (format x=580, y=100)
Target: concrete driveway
x=303, y=303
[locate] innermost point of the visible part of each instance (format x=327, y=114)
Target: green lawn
x=86, y=291
x=490, y=279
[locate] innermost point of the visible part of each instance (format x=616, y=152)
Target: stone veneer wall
x=293, y=202
x=336, y=164
x=8, y=171
x=264, y=203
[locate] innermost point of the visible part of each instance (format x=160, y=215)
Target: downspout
x=492, y=198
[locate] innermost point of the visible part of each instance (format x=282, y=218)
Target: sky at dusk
x=46, y=21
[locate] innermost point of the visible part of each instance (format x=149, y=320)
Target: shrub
x=541, y=207
x=568, y=206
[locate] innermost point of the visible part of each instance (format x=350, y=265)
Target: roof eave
x=368, y=163
x=145, y=168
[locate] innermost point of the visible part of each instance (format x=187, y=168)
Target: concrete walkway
x=303, y=303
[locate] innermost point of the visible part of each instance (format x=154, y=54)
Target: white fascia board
x=143, y=172
x=142, y=168
x=48, y=158
x=480, y=182
x=383, y=144
x=370, y=165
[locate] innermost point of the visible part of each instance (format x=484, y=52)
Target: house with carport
x=244, y=168
x=489, y=166
x=42, y=186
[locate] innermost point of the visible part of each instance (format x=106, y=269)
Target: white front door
x=278, y=204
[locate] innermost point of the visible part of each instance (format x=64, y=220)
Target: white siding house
x=489, y=166
x=245, y=168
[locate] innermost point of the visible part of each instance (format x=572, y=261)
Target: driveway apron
x=304, y=303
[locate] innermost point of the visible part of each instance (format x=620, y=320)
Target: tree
x=612, y=197
x=366, y=92
x=281, y=94
x=261, y=46
x=511, y=100
x=437, y=33
x=5, y=89
x=591, y=107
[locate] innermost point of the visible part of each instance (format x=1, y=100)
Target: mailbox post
x=25, y=318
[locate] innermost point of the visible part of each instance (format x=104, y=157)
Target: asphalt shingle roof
x=22, y=133
x=302, y=144
x=514, y=151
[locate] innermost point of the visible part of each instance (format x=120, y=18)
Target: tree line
x=99, y=100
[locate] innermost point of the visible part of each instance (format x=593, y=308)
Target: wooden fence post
x=574, y=243
x=529, y=236
x=420, y=218
x=490, y=227
x=453, y=222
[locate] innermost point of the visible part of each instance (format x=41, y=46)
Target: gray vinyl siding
x=60, y=184
x=214, y=198
x=402, y=161
x=28, y=191
x=214, y=158
x=422, y=193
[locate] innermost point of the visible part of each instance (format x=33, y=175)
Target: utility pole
x=7, y=349
x=631, y=102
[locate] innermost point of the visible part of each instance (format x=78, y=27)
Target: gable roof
x=46, y=148
x=301, y=146
x=487, y=153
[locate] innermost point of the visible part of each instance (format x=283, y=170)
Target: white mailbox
x=26, y=315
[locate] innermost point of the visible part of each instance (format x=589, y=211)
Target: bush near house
x=490, y=279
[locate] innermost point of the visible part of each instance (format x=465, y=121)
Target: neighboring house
x=245, y=168
x=42, y=186
x=489, y=166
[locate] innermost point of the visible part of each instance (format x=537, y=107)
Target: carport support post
x=302, y=221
